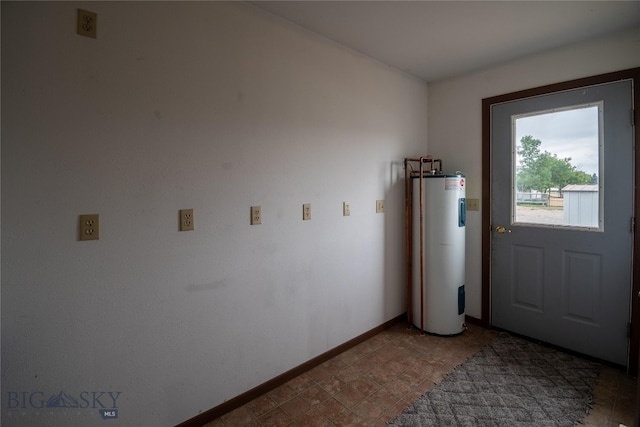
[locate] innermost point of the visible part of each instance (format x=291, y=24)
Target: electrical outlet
x=473, y=204
x=87, y=23
x=256, y=215
x=89, y=227
x=346, y=209
x=379, y=206
x=306, y=211
x=186, y=220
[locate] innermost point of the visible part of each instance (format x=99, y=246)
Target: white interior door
x=562, y=251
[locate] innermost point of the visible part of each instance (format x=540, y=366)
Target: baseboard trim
x=246, y=397
x=476, y=321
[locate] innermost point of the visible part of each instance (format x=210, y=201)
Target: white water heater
x=440, y=287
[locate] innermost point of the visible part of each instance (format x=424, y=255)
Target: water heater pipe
x=421, y=248
x=409, y=173
x=408, y=227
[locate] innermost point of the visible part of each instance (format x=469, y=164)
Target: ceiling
x=435, y=40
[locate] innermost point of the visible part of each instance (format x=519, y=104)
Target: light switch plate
x=379, y=206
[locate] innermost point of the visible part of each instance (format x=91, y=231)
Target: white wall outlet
x=87, y=23
x=256, y=215
x=186, y=220
x=346, y=209
x=473, y=204
x=379, y=206
x=306, y=212
x=89, y=227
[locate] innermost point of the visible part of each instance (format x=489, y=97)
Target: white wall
x=455, y=118
x=212, y=106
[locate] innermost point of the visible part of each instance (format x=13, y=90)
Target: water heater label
x=454, y=183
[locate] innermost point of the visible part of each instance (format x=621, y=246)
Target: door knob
x=500, y=229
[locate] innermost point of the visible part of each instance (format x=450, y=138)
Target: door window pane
x=557, y=172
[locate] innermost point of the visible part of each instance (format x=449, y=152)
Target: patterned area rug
x=511, y=382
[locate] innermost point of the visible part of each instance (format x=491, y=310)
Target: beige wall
x=206, y=105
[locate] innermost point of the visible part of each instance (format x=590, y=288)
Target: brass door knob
x=500, y=229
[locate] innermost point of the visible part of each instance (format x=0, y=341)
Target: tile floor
x=374, y=381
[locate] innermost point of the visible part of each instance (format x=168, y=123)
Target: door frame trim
x=629, y=74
